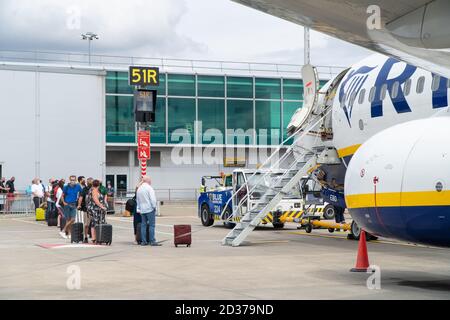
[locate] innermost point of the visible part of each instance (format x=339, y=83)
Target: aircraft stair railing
x=282, y=185
x=292, y=149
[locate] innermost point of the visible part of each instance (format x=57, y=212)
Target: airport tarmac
x=275, y=264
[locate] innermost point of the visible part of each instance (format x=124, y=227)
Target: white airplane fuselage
x=397, y=182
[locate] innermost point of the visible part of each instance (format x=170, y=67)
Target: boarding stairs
x=299, y=162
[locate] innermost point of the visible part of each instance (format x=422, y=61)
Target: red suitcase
x=182, y=234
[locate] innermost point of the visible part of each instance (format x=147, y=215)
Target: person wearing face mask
x=71, y=192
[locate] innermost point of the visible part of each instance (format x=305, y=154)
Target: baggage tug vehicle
x=217, y=203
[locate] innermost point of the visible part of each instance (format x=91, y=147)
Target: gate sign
x=143, y=145
x=143, y=76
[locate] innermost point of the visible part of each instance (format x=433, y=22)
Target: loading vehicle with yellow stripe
x=214, y=204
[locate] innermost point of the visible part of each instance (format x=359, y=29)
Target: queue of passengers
x=87, y=196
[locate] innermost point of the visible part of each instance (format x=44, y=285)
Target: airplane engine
x=397, y=184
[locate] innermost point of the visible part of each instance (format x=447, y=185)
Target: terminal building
x=60, y=116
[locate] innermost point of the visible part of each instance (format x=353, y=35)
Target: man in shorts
x=71, y=192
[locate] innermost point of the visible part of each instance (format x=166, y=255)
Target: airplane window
x=394, y=89
x=352, y=99
x=407, y=87
x=435, y=82
x=372, y=94
x=383, y=91
x=362, y=93
x=343, y=100
x=420, y=84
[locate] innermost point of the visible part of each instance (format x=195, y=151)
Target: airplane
x=390, y=116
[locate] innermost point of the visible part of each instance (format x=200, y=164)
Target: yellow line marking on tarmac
x=317, y=235
x=371, y=241
x=271, y=241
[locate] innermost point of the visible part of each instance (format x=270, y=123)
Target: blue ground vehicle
x=214, y=200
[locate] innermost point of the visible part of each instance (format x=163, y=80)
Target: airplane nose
x=404, y=192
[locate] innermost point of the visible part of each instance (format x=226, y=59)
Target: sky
x=184, y=29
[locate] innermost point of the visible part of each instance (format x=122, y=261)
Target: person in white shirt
x=59, y=207
x=146, y=207
x=37, y=193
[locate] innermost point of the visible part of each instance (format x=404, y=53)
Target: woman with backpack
x=96, y=207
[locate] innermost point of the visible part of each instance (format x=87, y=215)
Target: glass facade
x=211, y=115
x=268, y=122
x=181, y=118
x=240, y=122
x=228, y=109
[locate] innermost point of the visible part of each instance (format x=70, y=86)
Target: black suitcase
x=77, y=229
x=51, y=212
x=103, y=232
x=139, y=235
x=77, y=232
x=52, y=222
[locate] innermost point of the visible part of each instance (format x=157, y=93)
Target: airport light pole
x=89, y=36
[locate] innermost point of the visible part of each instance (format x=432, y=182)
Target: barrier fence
x=23, y=204
x=19, y=204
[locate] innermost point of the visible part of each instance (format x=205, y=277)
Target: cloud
x=230, y=31
x=123, y=26
x=194, y=29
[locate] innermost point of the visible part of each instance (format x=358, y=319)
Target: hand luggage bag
x=182, y=234
x=77, y=229
x=52, y=222
x=103, y=232
x=40, y=214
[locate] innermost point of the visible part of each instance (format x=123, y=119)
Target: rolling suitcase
x=52, y=215
x=103, y=232
x=182, y=234
x=139, y=235
x=52, y=222
x=77, y=229
x=40, y=214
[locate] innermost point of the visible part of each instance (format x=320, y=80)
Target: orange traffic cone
x=362, y=260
